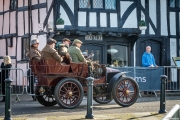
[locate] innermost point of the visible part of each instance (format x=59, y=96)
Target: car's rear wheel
x=47, y=99
x=125, y=91
x=69, y=93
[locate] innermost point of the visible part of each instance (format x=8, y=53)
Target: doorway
x=155, y=50
x=96, y=50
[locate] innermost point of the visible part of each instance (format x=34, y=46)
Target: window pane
x=15, y=4
x=117, y=56
x=97, y=3
x=110, y=4
x=172, y=3
x=84, y=4
x=25, y=48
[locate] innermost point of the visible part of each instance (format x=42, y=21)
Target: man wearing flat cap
x=49, y=52
x=34, y=53
x=75, y=52
x=63, y=48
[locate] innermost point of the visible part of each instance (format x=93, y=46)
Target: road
x=26, y=107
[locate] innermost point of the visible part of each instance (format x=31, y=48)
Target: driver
x=75, y=52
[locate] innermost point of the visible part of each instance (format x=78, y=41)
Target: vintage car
x=66, y=84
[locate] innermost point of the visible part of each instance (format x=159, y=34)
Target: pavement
x=146, y=108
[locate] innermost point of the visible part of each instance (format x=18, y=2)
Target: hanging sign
x=94, y=37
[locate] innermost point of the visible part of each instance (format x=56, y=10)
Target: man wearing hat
x=63, y=48
x=34, y=53
x=75, y=51
x=35, y=57
x=49, y=52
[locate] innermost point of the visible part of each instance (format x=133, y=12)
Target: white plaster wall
x=103, y=20
x=43, y=1
x=3, y=48
x=19, y=48
x=35, y=21
x=152, y=14
x=70, y=4
x=13, y=22
x=113, y=19
x=6, y=23
x=92, y=19
x=164, y=28
x=131, y=21
x=51, y=19
x=64, y=16
x=151, y=31
x=6, y=4
x=20, y=24
x=42, y=41
x=123, y=6
x=26, y=21
x=81, y=18
x=33, y=2
x=172, y=23
x=143, y=3
x=1, y=6
x=20, y=3
x=1, y=24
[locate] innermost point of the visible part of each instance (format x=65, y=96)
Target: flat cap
x=77, y=41
x=34, y=41
x=51, y=41
x=66, y=39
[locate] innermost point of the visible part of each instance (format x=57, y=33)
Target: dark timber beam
x=48, y=14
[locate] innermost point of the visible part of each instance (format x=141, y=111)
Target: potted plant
x=60, y=23
x=142, y=25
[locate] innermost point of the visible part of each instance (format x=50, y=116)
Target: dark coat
x=4, y=74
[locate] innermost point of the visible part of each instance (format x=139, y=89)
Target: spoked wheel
x=102, y=100
x=125, y=91
x=69, y=93
x=47, y=99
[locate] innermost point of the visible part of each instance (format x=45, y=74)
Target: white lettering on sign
x=94, y=37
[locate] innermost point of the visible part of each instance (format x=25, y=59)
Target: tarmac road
x=27, y=108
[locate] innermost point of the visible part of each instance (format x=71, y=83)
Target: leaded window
x=172, y=3
x=98, y=4
x=13, y=4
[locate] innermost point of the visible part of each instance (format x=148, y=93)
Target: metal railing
x=174, y=113
x=17, y=75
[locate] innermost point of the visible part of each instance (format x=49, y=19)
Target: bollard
x=163, y=94
x=8, y=99
x=89, y=114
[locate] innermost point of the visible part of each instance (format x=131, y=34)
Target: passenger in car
x=34, y=53
x=62, y=50
x=75, y=52
x=48, y=52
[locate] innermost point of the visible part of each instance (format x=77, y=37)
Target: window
x=98, y=4
x=117, y=55
x=25, y=48
x=13, y=4
x=172, y=3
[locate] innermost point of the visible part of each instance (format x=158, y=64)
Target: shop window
x=13, y=4
x=98, y=4
x=117, y=55
x=25, y=48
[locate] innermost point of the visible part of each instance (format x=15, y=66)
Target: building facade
x=108, y=28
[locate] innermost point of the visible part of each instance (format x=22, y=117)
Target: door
x=155, y=50
x=96, y=50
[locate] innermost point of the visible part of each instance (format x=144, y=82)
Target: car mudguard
x=112, y=82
